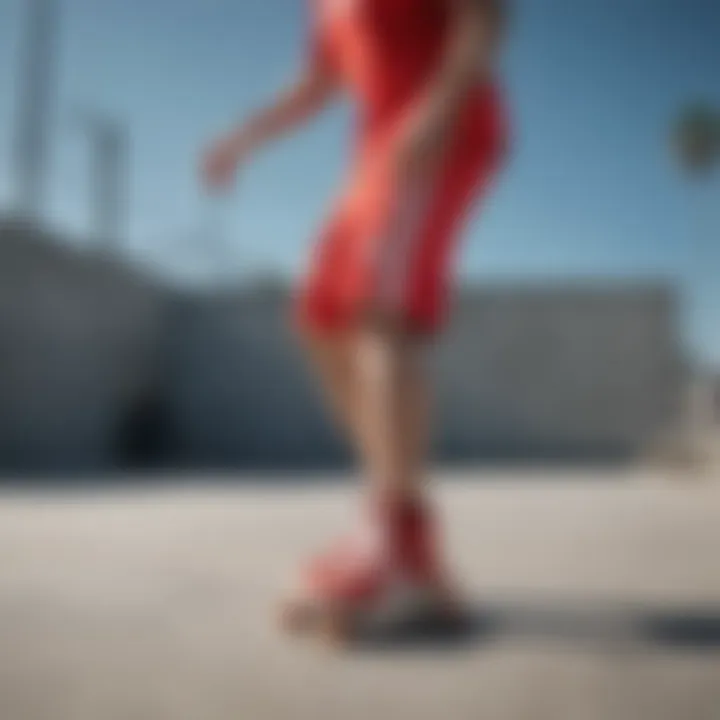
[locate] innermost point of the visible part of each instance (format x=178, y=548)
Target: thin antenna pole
x=108, y=140
x=36, y=86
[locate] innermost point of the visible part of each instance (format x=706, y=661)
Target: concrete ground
x=598, y=598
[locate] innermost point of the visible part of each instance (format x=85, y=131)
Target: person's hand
x=221, y=160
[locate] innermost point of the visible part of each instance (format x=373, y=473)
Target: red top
x=385, y=51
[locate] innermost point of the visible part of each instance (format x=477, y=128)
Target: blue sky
x=591, y=189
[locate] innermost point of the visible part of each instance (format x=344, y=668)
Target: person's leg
x=372, y=373
x=391, y=410
x=375, y=384
x=331, y=359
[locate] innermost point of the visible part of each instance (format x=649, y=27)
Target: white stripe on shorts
x=397, y=248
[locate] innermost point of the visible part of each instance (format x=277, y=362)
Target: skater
x=431, y=137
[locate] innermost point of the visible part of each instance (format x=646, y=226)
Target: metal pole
x=108, y=183
x=36, y=85
x=108, y=141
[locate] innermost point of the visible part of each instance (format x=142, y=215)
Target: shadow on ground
x=570, y=623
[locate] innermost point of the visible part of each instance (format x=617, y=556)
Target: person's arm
x=469, y=56
x=309, y=94
x=291, y=108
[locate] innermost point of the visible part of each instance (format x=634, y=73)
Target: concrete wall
x=580, y=370
x=522, y=371
x=78, y=337
x=241, y=392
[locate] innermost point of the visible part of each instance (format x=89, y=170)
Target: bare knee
x=386, y=349
x=328, y=352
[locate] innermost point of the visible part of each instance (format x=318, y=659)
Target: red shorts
x=388, y=247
